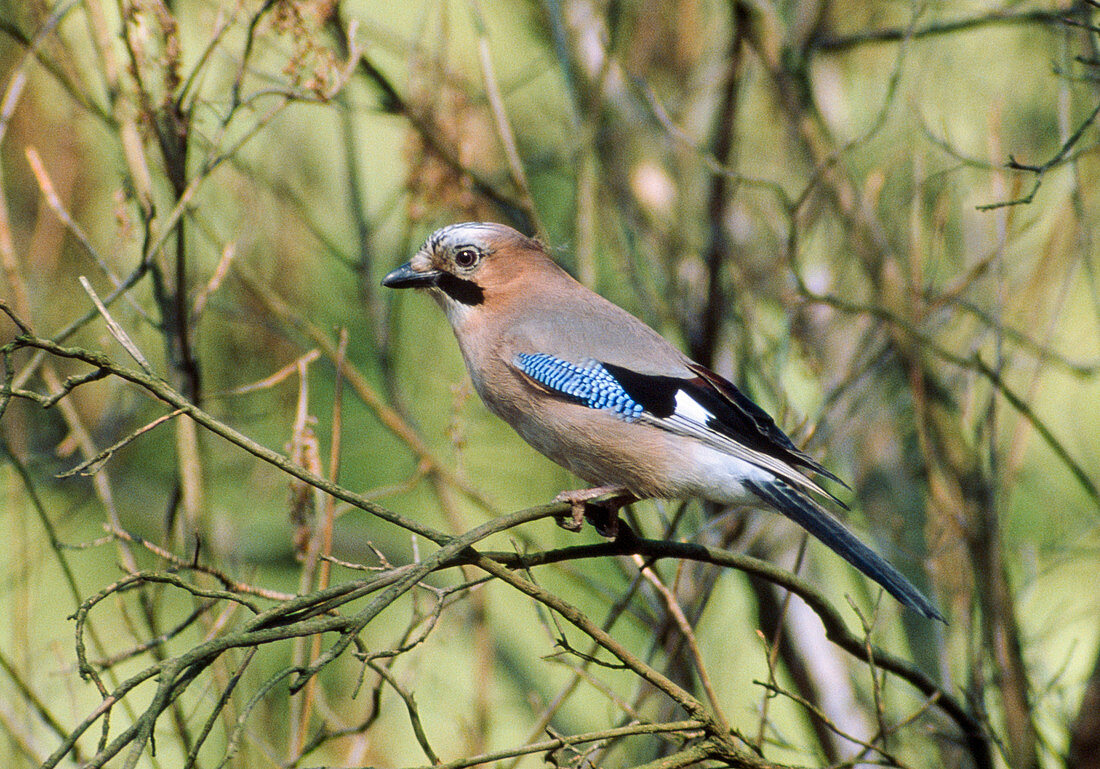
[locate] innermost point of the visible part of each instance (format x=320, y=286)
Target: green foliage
x=876, y=218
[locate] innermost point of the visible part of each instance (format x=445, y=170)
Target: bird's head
x=466, y=265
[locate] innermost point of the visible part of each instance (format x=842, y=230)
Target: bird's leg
x=604, y=515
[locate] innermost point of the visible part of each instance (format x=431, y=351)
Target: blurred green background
x=810, y=197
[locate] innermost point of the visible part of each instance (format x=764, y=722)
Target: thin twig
x=98, y=460
x=677, y=612
x=684, y=728
x=1059, y=157
x=839, y=44
x=116, y=330
x=500, y=116
x=412, y=710
x=385, y=413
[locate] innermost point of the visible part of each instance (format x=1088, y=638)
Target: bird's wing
x=710, y=409
x=705, y=407
x=740, y=418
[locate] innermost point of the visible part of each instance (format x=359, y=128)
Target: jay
x=604, y=395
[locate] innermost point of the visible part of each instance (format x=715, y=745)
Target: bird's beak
x=406, y=277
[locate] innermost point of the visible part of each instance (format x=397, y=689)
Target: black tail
x=818, y=521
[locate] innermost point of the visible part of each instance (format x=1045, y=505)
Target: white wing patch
x=689, y=408
x=691, y=418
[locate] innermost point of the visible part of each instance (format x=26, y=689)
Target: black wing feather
x=741, y=419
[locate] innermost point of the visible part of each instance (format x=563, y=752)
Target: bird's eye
x=466, y=257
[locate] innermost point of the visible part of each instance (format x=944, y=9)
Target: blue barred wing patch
x=589, y=383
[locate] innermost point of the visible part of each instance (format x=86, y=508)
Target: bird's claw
x=603, y=515
x=575, y=520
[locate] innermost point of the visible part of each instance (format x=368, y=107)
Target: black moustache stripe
x=462, y=291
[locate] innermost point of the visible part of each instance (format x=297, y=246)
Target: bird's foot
x=603, y=515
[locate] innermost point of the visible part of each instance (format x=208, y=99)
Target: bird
x=601, y=393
